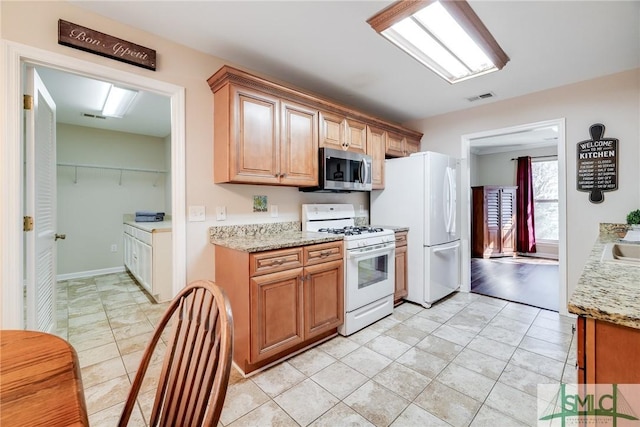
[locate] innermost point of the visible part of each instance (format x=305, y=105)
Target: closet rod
x=112, y=168
x=541, y=157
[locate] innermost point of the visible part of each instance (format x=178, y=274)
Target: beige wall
x=612, y=100
x=90, y=209
x=35, y=24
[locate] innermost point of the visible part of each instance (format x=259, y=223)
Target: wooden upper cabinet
x=299, y=145
x=261, y=139
x=411, y=146
x=254, y=124
x=332, y=131
x=268, y=133
x=395, y=145
x=376, y=146
x=399, y=145
x=342, y=133
x=356, y=136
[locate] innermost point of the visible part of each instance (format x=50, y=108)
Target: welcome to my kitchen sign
x=89, y=40
x=597, y=167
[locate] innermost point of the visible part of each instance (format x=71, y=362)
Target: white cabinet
x=147, y=256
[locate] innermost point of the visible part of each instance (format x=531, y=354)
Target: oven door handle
x=375, y=250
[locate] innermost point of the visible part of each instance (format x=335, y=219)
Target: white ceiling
x=328, y=48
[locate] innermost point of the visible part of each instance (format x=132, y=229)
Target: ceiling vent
x=93, y=116
x=483, y=96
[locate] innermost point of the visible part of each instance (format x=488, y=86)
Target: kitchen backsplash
x=614, y=230
x=226, y=231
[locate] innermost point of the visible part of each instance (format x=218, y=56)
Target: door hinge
x=27, y=223
x=27, y=102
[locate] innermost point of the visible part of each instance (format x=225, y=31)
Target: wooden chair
x=195, y=372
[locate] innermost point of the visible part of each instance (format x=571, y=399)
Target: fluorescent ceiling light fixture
x=118, y=102
x=446, y=36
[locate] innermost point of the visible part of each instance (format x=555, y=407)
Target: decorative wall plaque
x=89, y=40
x=597, y=169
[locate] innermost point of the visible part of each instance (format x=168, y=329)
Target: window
x=545, y=193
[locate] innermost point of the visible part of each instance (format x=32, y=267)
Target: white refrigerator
x=420, y=193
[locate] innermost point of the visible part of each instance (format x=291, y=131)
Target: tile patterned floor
x=469, y=360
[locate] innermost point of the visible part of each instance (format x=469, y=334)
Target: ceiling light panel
x=118, y=102
x=446, y=36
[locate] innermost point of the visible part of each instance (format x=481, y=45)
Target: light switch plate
x=274, y=211
x=221, y=213
x=197, y=213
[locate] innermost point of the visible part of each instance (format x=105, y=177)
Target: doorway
x=16, y=57
x=509, y=142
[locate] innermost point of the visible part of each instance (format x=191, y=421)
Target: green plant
x=634, y=217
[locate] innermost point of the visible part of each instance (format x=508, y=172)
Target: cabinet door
x=356, y=136
x=395, y=145
x=411, y=146
x=376, y=145
x=276, y=313
x=493, y=231
x=401, y=266
x=332, y=131
x=324, y=297
x=145, y=260
x=508, y=221
x=299, y=145
x=255, y=156
x=127, y=243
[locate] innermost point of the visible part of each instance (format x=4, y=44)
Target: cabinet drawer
x=272, y=261
x=323, y=252
x=401, y=238
x=144, y=236
x=129, y=230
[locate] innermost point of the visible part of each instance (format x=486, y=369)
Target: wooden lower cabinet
x=401, y=290
x=281, y=300
x=607, y=352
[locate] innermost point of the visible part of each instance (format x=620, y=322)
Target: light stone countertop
x=394, y=228
x=608, y=290
x=267, y=242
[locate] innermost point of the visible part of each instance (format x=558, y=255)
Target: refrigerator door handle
x=449, y=202
x=446, y=249
x=452, y=200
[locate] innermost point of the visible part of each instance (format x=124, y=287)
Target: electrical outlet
x=114, y=248
x=274, y=211
x=361, y=209
x=196, y=213
x=221, y=213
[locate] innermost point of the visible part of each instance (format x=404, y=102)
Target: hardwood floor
x=531, y=281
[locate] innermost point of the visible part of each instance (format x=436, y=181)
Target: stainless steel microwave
x=342, y=171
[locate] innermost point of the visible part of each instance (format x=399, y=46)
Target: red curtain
x=526, y=236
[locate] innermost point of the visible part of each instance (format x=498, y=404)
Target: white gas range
x=369, y=273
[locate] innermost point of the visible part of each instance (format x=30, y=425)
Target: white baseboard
x=90, y=273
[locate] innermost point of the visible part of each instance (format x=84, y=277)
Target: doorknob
x=60, y=236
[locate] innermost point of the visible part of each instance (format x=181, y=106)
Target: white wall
x=90, y=210
x=611, y=100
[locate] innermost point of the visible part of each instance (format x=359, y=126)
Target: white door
x=40, y=204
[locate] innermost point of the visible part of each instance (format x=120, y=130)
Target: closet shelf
x=117, y=168
x=73, y=165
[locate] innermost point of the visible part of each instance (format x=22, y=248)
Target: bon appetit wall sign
x=597, y=169
x=89, y=40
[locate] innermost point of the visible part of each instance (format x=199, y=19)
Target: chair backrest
x=197, y=363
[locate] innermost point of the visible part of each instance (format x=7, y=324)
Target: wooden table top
x=40, y=382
